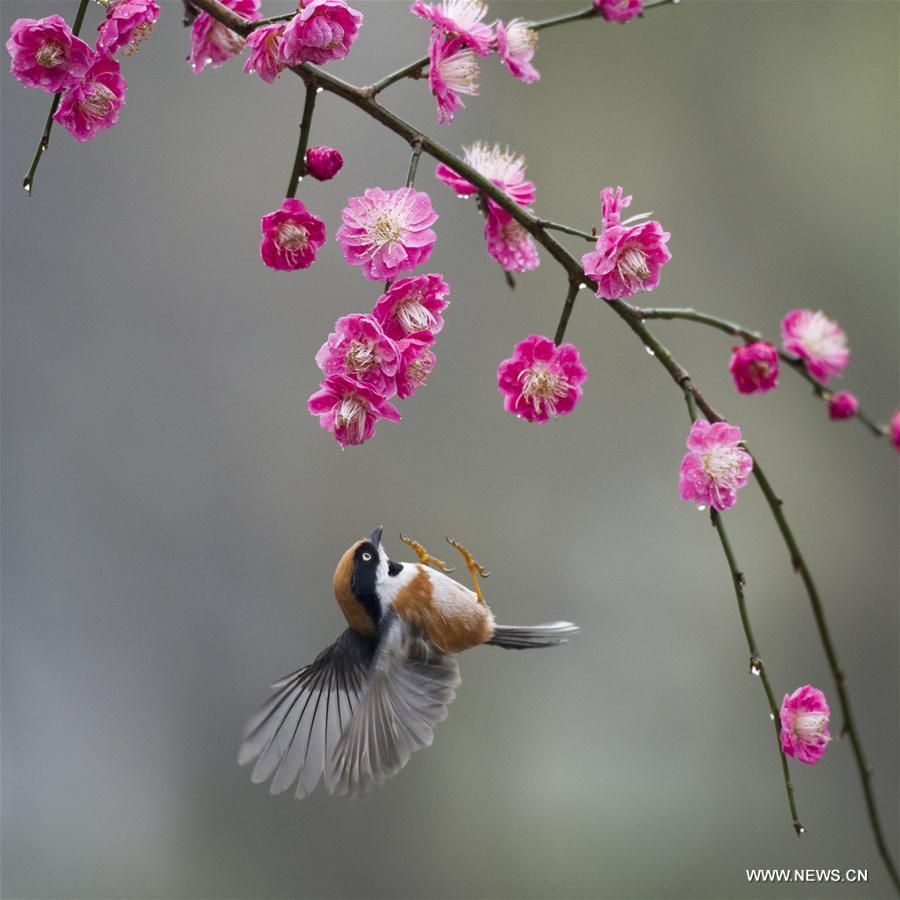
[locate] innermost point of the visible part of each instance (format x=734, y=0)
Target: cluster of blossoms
x=370, y=358
x=507, y=240
x=46, y=54
x=322, y=30
x=629, y=255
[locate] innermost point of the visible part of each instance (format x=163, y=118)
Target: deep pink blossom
x=508, y=242
x=45, y=54
x=541, y=380
x=619, y=10
x=501, y=167
x=842, y=405
x=212, y=43
x=321, y=31
x=92, y=104
x=628, y=258
x=895, y=430
x=413, y=305
x=804, y=724
x=127, y=24
x=417, y=362
x=612, y=202
x=516, y=43
x=291, y=236
x=453, y=70
x=359, y=348
x=265, y=52
x=754, y=367
x=324, y=163
x=349, y=410
x=461, y=18
x=816, y=339
x=715, y=467
x=387, y=232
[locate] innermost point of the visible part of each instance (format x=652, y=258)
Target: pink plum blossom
x=715, y=467
x=508, y=242
x=619, y=10
x=92, y=104
x=349, y=410
x=127, y=24
x=413, y=305
x=628, y=258
x=291, y=236
x=516, y=43
x=541, y=380
x=265, y=52
x=504, y=169
x=360, y=349
x=460, y=18
x=754, y=367
x=452, y=70
x=46, y=55
x=895, y=430
x=842, y=405
x=417, y=362
x=323, y=163
x=212, y=43
x=321, y=31
x=387, y=232
x=612, y=202
x=818, y=340
x=804, y=724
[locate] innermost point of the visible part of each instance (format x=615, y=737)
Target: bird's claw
x=425, y=557
x=475, y=568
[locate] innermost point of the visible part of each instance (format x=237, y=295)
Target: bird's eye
x=367, y=557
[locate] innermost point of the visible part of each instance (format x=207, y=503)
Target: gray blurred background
x=172, y=515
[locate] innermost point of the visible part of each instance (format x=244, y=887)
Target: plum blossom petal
x=516, y=43
x=349, y=409
x=715, y=466
x=359, y=348
x=754, y=367
x=612, y=202
x=508, y=242
x=895, y=430
x=46, y=54
x=453, y=70
x=417, y=362
x=291, y=236
x=461, y=18
x=541, y=380
x=804, y=724
x=265, y=52
x=92, y=104
x=387, y=232
x=127, y=25
x=818, y=340
x=413, y=305
x=502, y=167
x=321, y=31
x=212, y=43
x=619, y=10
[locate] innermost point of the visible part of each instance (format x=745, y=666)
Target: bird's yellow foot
x=475, y=568
x=425, y=557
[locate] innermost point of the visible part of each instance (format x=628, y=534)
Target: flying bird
x=357, y=712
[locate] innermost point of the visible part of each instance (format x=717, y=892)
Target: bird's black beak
x=375, y=536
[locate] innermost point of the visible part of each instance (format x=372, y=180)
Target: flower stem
x=299, y=169
x=44, y=142
x=556, y=226
x=756, y=664
x=413, y=70
x=776, y=505
x=733, y=328
x=566, y=311
x=414, y=162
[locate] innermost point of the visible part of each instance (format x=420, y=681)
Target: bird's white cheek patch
x=390, y=585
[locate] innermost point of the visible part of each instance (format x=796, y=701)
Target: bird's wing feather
x=407, y=694
x=296, y=732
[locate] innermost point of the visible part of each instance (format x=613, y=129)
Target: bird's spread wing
x=405, y=697
x=295, y=734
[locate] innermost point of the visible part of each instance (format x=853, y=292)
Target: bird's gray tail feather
x=549, y=634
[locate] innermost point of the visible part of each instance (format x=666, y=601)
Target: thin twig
x=566, y=311
x=414, y=162
x=44, y=142
x=568, y=229
x=299, y=170
x=413, y=70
